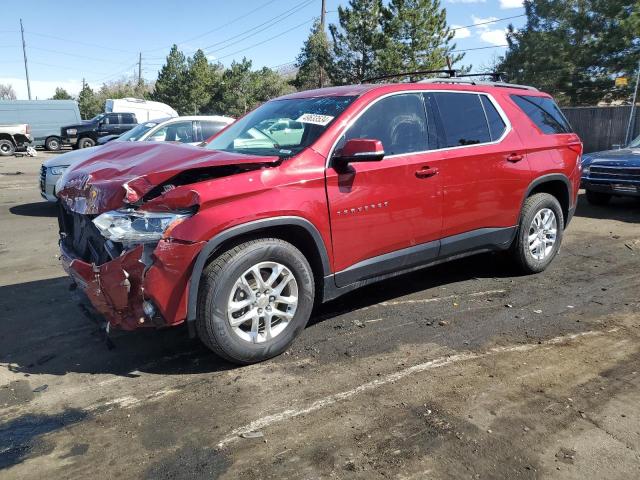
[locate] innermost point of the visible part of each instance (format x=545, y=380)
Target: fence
x=602, y=128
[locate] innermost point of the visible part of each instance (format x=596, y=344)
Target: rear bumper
x=118, y=289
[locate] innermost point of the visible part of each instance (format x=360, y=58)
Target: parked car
x=192, y=130
x=241, y=240
x=45, y=118
x=14, y=137
x=612, y=173
x=86, y=133
x=144, y=110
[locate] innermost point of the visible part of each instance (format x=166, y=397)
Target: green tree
x=88, y=102
x=574, y=49
x=61, y=94
x=202, y=81
x=416, y=37
x=357, y=41
x=314, y=61
x=172, y=84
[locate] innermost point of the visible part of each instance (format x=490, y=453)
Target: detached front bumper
x=143, y=287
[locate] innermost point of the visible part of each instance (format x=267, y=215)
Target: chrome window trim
x=493, y=101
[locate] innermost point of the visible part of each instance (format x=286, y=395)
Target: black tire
x=216, y=286
x=7, y=148
x=520, y=250
x=86, y=142
x=598, y=198
x=53, y=144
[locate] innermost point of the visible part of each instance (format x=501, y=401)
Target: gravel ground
x=460, y=371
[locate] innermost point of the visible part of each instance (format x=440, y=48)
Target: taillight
x=28, y=128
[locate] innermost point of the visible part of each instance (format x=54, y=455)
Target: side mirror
x=359, y=150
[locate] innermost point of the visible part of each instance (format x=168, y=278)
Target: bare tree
x=7, y=92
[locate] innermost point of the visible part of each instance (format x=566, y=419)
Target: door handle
x=514, y=157
x=426, y=172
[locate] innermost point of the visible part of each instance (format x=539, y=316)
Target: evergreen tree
x=88, y=102
x=61, y=94
x=357, y=41
x=417, y=37
x=201, y=80
x=574, y=49
x=314, y=61
x=172, y=85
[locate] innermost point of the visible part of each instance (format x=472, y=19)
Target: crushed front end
x=132, y=284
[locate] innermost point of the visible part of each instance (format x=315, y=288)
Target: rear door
x=485, y=171
x=127, y=122
x=386, y=215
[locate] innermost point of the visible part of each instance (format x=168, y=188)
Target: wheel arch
x=6, y=136
x=555, y=184
x=296, y=230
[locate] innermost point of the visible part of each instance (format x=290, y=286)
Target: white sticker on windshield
x=315, y=118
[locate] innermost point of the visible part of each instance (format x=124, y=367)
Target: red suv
x=310, y=196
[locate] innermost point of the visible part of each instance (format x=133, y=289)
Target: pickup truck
x=13, y=137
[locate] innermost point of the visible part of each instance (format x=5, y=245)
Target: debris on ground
x=256, y=434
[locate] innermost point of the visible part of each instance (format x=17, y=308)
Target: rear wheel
x=539, y=233
x=7, y=148
x=598, y=198
x=254, y=300
x=86, y=142
x=52, y=144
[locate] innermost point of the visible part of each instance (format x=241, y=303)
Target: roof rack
x=450, y=72
x=462, y=80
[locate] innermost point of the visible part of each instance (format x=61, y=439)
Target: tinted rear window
x=462, y=117
x=544, y=113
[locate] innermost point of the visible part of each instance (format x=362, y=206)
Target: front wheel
x=254, y=299
x=539, y=233
x=7, y=148
x=86, y=142
x=52, y=144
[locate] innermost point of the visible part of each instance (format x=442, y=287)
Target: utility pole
x=140, y=69
x=24, y=52
x=631, y=124
x=322, y=21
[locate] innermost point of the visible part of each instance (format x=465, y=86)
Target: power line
x=86, y=57
x=488, y=22
x=267, y=39
x=252, y=31
x=479, y=48
x=46, y=35
x=241, y=17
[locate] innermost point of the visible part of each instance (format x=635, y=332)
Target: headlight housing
x=585, y=171
x=72, y=131
x=59, y=170
x=134, y=226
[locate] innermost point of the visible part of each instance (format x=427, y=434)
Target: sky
x=102, y=42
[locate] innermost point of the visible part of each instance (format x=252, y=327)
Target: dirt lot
x=460, y=371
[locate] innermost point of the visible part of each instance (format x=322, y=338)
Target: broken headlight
x=133, y=226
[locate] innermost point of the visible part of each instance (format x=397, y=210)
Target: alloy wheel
x=543, y=232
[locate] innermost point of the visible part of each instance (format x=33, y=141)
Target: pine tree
x=88, y=102
x=314, y=61
x=61, y=94
x=417, y=37
x=574, y=49
x=172, y=85
x=357, y=41
x=201, y=78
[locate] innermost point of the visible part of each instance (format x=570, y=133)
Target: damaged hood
x=121, y=173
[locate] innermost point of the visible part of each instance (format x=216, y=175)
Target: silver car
x=193, y=130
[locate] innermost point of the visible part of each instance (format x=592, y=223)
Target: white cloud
x=466, y=1
x=495, y=37
x=43, y=89
x=505, y=4
x=461, y=32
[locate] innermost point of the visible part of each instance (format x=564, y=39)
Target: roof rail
x=449, y=72
x=477, y=82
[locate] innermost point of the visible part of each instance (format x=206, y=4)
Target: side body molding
x=213, y=244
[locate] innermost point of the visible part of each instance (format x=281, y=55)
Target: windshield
x=136, y=132
x=635, y=143
x=97, y=117
x=281, y=127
